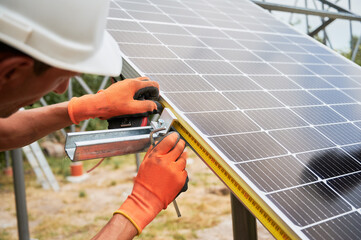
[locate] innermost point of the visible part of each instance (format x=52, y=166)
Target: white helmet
x=68, y=34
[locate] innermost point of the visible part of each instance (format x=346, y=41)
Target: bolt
x=161, y=123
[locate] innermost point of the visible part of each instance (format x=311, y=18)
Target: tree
x=349, y=53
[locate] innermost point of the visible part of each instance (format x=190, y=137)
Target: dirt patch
x=79, y=210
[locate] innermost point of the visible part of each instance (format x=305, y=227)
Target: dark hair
x=39, y=67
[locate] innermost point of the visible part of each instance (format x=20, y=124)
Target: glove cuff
x=130, y=220
x=83, y=108
x=141, y=207
x=71, y=111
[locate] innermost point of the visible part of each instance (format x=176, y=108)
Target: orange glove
x=160, y=179
x=116, y=100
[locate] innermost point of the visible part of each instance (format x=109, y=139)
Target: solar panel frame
x=289, y=44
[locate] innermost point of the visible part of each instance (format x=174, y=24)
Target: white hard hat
x=68, y=34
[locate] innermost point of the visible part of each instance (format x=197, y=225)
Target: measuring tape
x=244, y=193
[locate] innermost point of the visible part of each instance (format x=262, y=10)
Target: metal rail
x=292, y=9
x=20, y=195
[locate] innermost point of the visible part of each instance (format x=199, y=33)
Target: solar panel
x=277, y=108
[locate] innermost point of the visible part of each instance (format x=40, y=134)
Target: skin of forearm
x=118, y=228
x=25, y=127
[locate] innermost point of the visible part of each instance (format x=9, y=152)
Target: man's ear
x=12, y=66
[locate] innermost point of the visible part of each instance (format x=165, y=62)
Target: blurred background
x=79, y=210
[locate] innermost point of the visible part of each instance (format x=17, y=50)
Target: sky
x=338, y=31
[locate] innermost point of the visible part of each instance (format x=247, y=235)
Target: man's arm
x=25, y=127
x=118, y=228
x=161, y=177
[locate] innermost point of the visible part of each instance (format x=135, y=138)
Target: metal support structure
x=36, y=167
x=355, y=50
x=20, y=196
x=307, y=24
x=351, y=34
x=291, y=16
x=7, y=159
x=322, y=27
x=293, y=9
x=338, y=8
x=84, y=85
x=44, y=165
x=70, y=95
x=243, y=222
x=137, y=160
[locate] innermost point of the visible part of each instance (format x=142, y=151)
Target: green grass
x=82, y=194
x=4, y=235
x=61, y=166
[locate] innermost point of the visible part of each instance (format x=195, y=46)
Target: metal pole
x=323, y=21
x=20, y=196
x=307, y=24
x=291, y=16
x=70, y=95
x=7, y=159
x=84, y=85
x=137, y=159
x=351, y=34
x=354, y=53
x=243, y=222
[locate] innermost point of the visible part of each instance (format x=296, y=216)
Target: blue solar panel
x=282, y=110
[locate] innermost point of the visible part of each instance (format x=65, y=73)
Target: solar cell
x=344, y=227
x=275, y=82
x=349, y=187
x=277, y=173
x=329, y=163
x=282, y=111
x=331, y=96
x=310, y=82
x=309, y=204
x=231, y=82
x=276, y=118
x=319, y=115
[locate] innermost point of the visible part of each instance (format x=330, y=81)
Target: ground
x=79, y=210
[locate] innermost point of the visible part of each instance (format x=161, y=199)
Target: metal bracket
x=106, y=143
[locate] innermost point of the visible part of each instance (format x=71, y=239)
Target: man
x=42, y=44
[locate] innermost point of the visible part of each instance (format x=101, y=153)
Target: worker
x=42, y=45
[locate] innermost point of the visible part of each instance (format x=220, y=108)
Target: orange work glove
x=118, y=99
x=160, y=179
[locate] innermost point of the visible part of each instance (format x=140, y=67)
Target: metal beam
x=20, y=196
x=243, y=222
x=292, y=9
x=320, y=28
x=338, y=8
x=70, y=95
x=355, y=50
x=307, y=24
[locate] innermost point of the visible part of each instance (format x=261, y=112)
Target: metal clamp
x=107, y=143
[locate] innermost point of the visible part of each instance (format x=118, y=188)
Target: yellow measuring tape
x=247, y=196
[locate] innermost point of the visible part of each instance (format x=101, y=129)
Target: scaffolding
x=328, y=12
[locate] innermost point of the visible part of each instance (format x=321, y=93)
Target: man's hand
x=117, y=100
x=160, y=179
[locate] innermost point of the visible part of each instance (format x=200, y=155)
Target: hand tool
x=130, y=135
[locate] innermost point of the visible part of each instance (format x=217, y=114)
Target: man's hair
x=39, y=67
